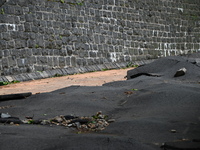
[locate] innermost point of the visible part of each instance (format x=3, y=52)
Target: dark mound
x=167, y=68
x=152, y=110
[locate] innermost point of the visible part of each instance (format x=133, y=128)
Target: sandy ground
x=52, y=84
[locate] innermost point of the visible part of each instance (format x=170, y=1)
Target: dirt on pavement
x=51, y=84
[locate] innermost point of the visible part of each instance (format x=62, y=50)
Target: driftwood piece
x=14, y=96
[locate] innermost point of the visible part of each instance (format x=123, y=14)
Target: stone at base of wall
x=69, y=71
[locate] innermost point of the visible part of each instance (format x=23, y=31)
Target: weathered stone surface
x=49, y=34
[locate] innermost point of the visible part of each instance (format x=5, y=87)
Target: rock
x=37, y=121
x=11, y=123
x=68, y=117
x=84, y=126
x=25, y=121
x=78, y=125
x=31, y=121
x=101, y=116
x=92, y=125
x=45, y=122
x=180, y=72
x=111, y=120
x=173, y=131
x=99, y=113
x=128, y=92
x=57, y=119
x=81, y=121
x=3, y=115
x=70, y=125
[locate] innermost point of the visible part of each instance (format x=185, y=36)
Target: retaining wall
x=50, y=35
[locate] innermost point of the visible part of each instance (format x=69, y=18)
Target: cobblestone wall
x=39, y=35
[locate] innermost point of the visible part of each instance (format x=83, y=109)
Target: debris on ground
x=6, y=107
x=97, y=122
x=7, y=118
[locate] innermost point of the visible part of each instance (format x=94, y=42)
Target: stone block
x=71, y=70
x=20, y=44
x=5, y=19
x=9, y=9
x=18, y=10
x=31, y=44
x=25, y=77
x=3, y=28
x=45, y=16
x=50, y=61
x=5, y=36
x=63, y=52
x=90, y=62
x=62, y=62
x=93, y=54
x=79, y=61
x=4, y=79
x=55, y=72
x=6, y=53
x=5, y=63
x=42, y=60
x=39, y=41
x=1, y=54
x=68, y=61
x=82, y=70
x=27, y=27
x=35, y=75
x=9, y=78
x=89, y=68
x=12, y=62
x=44, y=74
x=55, y=61
x=73, y=61
x=20, y=35
x=34, y=29
x=21, y=62
x=36, y=51
x=38, y=68
x=111, y=65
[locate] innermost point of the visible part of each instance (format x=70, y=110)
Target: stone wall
x=41, y=35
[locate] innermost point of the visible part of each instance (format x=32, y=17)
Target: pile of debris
x=97, y=122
